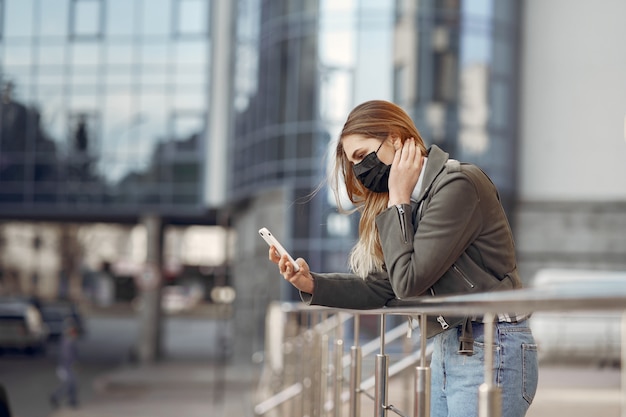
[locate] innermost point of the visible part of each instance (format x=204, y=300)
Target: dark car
x=21, y=326
x=57, y=314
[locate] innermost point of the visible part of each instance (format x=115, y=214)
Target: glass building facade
x=296, y=70
x=104, y=106
x=465, y=84
x=301, y=66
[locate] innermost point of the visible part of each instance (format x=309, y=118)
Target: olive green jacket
x=454, y=239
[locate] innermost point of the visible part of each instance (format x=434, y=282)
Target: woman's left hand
x=302, y=279
x=405, y=171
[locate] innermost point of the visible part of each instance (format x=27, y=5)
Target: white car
x=21, y=326
x=578, y=335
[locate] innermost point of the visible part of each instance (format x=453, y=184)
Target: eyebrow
x=356, y=151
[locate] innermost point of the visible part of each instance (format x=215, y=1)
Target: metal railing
x=607, y=294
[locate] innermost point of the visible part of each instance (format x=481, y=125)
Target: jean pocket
x=530, y=371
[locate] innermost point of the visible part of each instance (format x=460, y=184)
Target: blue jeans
x=456, y=378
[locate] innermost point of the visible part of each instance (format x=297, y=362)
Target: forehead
x=353, y=144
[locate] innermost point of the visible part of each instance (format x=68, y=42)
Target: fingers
x=406, y=152
x=285, y=267
x=273, y=255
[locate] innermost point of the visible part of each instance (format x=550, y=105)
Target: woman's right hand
x=302, y=280
x=405, y=171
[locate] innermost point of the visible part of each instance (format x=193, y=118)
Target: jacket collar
x=437, y=159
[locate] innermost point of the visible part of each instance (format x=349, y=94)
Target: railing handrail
x=580, y=295
x=588, y=295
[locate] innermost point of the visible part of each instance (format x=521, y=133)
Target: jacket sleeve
x=450, y=222
x=350, y=291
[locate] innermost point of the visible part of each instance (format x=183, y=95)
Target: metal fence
x=313, y=356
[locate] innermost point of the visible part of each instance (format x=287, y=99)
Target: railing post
x=489, y=395
x=355, y=371
x=324, y=363
x=338, y=386
x=382, y=375
x=313, y=382
x=422, y=377
x=623, y=369
x=307, y=350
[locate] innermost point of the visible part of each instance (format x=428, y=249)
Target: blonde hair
x=373, y=119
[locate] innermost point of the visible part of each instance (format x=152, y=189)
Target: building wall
x=257, y=281
x=572, y=189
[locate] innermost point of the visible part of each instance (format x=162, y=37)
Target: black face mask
x=373, y=173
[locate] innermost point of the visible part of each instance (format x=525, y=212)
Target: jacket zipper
x=444, y=324
x=402, y=222
x=462, y=274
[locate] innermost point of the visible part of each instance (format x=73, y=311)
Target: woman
x=429, y=225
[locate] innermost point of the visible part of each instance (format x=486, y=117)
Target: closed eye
x=357, y=156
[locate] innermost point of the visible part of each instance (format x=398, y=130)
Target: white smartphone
x=272, y=241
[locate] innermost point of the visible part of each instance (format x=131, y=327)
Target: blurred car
x=56, y=314
x=21, y=326
x=578, y=336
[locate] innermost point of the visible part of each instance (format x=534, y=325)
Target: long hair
x=373, y=119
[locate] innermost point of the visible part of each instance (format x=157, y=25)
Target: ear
x=395, y=140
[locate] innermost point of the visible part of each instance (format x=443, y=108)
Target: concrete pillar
x=149, y=345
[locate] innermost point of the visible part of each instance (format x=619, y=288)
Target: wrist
x=398, y=202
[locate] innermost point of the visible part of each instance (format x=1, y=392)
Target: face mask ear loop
x=381, y=145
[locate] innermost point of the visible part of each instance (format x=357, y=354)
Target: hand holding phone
x=272, y=241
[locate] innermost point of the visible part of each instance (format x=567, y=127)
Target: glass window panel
x=189, y=101
x=185, y=172
x=18, y=18
x=335, y=95
x=155, y=54
x=15, y=55
x=83, y=103
x=85, y=77
x=51, y=108
x=84, y=90
x=119, y=122
x=192, y=17
x=84, y=132
x=119, y=115
x=120, y=17
x=337, y=48
x=50, y=79
x=500, y=105
x=154, y=109
x=51, y=54
x=502, y=56
x=119, y=78
x=192, y=52
x=154, y=77
x=186, y=125
x=112, y=168
x=85, y=54
x=53, y=17
x=19, y=79
x=119, y=54
x=156, y=17
x=191, y=76
x=86, y=17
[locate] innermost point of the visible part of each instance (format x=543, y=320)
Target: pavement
x=171, y=389
x=190, y=389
